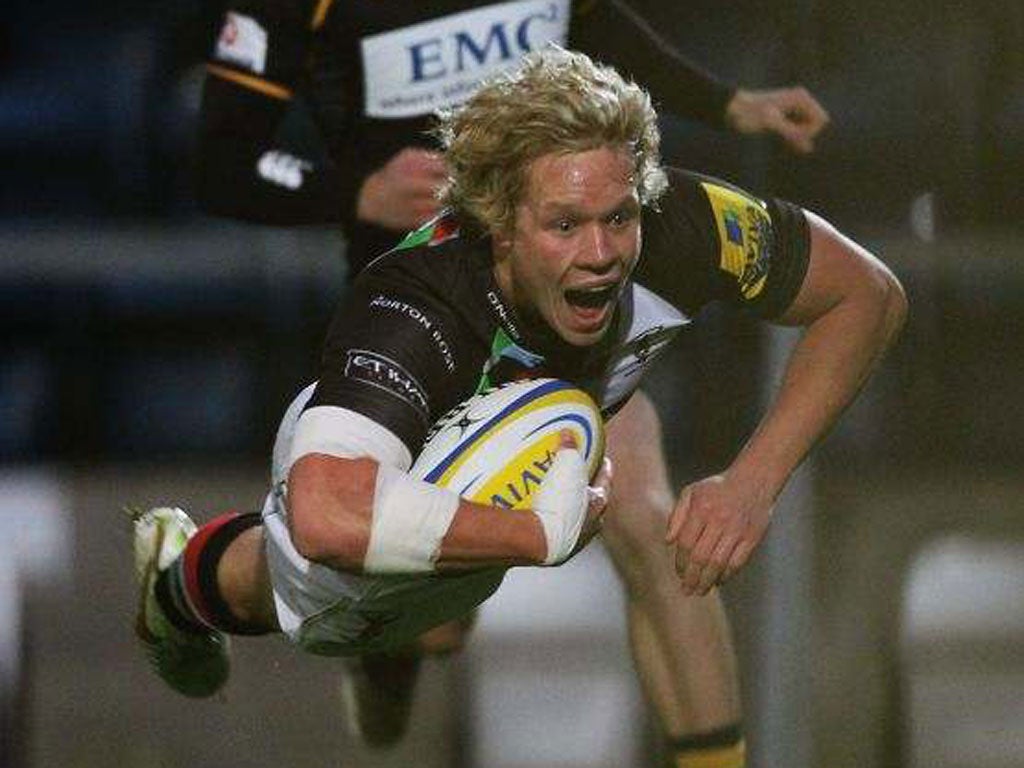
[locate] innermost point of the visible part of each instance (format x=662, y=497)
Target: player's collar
x=536, y=337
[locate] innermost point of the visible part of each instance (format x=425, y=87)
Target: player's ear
x=503, y=230
x=502, y=239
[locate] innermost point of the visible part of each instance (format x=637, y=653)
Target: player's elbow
x=868, y=294
x=890, y=301
x=330, y=502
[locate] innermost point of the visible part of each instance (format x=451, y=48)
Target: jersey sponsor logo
x=745, y=234
x=382, y=372
x=503, y=315
x=282, y=169
x=242, y=42
x=418, y=69
x=417, y=315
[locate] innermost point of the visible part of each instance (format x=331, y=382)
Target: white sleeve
x=410, y=517
x=347, y=434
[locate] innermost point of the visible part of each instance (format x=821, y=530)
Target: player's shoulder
x=434, y=258
x=699, y=207
x=700, y=191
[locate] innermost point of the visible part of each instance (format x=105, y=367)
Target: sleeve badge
x=745, y=235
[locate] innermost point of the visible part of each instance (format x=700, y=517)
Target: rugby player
x=539, y=258
x=372, y=76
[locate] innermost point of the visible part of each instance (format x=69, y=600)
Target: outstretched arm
x=852, y=308
x=614, y=31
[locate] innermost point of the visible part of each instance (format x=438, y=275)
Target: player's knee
x=634, y=525
x=636, y=548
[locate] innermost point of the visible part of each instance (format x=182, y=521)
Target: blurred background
x=148, y=351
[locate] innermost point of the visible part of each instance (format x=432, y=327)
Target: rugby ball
x=496, y=447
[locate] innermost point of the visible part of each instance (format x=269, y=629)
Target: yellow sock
x=713, y=757
x=722, y=748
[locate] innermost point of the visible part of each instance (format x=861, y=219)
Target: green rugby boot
x=193, y=662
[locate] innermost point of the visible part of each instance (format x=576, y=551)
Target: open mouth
x=591, y=298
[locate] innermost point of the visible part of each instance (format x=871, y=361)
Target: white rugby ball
x=496, y=447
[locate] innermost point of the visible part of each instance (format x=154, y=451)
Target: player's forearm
x=482, y=535
x=342, y=517
x=830, y=363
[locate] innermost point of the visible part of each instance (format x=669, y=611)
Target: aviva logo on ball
x=496, y=447
x=518, y=480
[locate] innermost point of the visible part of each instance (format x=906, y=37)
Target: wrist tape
x=410, y=518
x=561, y=504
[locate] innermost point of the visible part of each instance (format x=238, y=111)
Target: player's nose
x=599, y=251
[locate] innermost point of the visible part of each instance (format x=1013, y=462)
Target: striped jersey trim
x=253, y=83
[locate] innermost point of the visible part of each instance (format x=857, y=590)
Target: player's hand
x=715, y=526
x=569, y=509
x=402, y=194
x=791, y=113
x=598, y=493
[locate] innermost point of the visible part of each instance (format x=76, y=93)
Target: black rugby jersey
x=373, y=72
x=426, y=325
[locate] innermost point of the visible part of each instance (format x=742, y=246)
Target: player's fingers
x=689, y=577
x=699, y=568
x=738, y=558
x=686, y=565
x=678, y=517
x=690, y=532
x=703, y=567
x=567, y=439
x=597, y=500
x=804, y=108
x=604, y=477
x=793, y=133
x=717, y=571
x=709, y=577
x=600, y=488
x=801, y=142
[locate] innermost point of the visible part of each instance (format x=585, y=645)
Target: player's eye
x=565, y=224
x=620, y=217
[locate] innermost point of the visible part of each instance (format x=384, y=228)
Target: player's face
x=575, y=241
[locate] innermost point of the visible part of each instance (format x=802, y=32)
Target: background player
x=372, y=77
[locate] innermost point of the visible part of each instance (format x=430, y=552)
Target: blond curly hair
x=555, y=101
